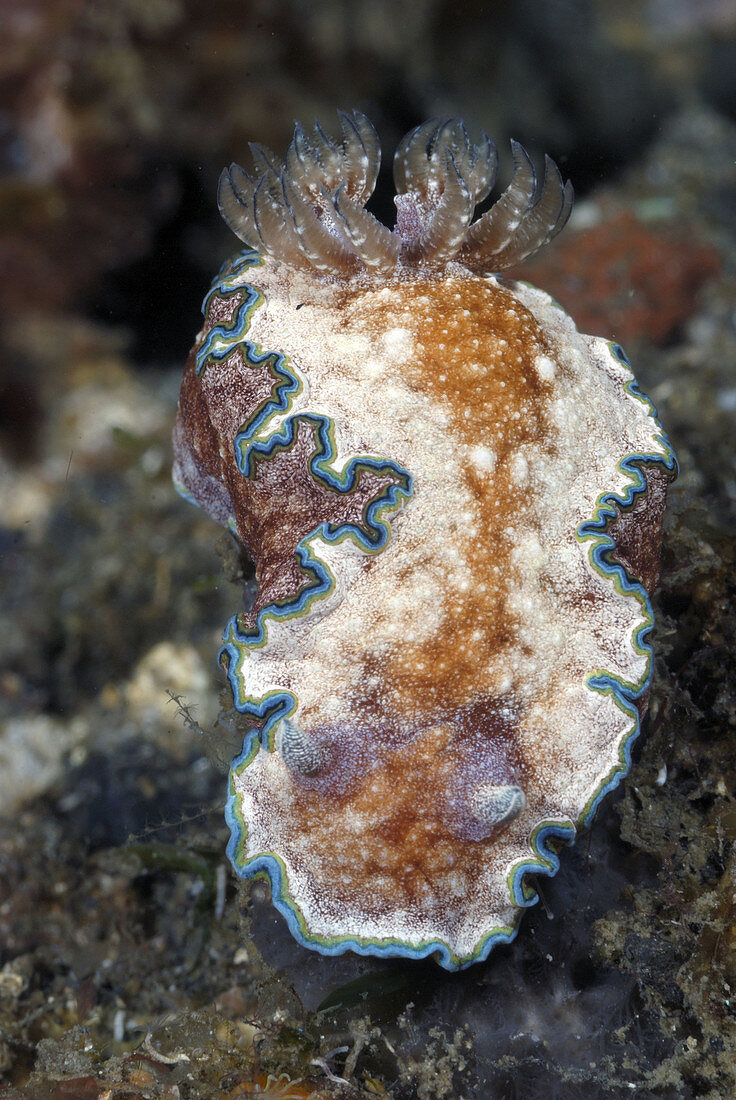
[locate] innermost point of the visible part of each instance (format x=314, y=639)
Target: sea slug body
x=454, y=503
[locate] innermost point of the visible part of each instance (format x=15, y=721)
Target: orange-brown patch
x=475, y=350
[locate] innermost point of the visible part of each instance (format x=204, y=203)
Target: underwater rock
x=454, y=502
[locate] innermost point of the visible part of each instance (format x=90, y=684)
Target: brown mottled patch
x=398, y=830
x=281, y=501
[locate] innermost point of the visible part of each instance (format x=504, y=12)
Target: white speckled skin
x=486, y=643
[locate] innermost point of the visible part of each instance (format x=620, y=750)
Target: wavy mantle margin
x=257, y=438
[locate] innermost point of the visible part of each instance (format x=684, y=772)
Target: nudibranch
x=454, y=504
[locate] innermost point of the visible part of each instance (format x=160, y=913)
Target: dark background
x=118, y=117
